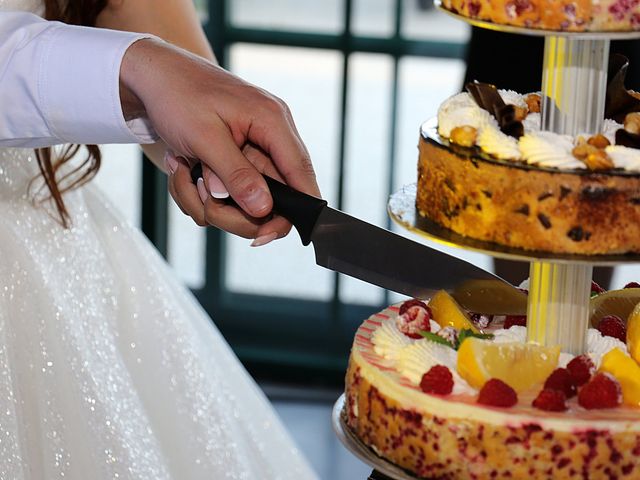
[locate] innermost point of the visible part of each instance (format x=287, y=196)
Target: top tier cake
x=559, y=15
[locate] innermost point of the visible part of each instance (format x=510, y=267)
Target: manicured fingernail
x=257, y=201
x=264, y=239
x=216, y=187
x=202, y=191
x=171, y=161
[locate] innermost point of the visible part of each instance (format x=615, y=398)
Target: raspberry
x=613, y=326
x=596, y=289
x=560, y=379
x=496, y=393
x=550, y=400
x=581, y=368
x=632, y=285
x=414, y=318
x=411, y=303
x=511, y=320
x=438, y=380
x=602, y=391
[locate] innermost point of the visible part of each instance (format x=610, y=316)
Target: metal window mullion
x=336, y=303
x=328, y=41
x=393, y=124
x=154, y=206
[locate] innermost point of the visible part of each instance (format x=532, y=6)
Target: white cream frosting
x=598, y=345
x=548, y=149
x=413, y=358
x=513, y=334
x=388, y=341
x=624, y=157
x=416, y=359
x=536, y=147
x=496, y=143
x=461, y=110
x=609, y=129
x=532, y=123
x=513, y=98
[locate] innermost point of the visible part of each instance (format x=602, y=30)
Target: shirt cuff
x=79, y=86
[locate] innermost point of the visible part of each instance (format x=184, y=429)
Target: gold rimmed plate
x=401, y=208
x=536, y=32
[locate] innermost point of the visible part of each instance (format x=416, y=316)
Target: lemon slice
x=447, y=313
x=519, y=365
x=633, y=333
x=626, y=371
x=613, y=302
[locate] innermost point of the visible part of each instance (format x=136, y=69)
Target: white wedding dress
x=109, y=368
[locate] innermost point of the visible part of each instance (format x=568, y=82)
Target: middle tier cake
x=487, y=171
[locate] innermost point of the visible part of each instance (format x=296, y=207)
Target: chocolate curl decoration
x=488, y=98
x=627, y=139
x=619, y=102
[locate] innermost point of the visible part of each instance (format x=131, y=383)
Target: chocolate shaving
x=626, y=139
x=619, y=102
x=488, y=98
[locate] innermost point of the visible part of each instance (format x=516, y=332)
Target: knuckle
x=243, y=179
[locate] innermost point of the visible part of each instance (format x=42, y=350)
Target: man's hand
x=204, y=113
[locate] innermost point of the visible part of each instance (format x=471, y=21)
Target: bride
x=109, y=369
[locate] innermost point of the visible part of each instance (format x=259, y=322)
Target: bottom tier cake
x=427, y=391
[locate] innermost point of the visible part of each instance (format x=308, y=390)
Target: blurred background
x=360, y=77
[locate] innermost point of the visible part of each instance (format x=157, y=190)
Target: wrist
x=135, y=62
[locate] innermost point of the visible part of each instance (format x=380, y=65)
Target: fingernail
x=202, y=191
x=264, y=239
x=216, y=187
x=171, y=161
x=257, y=201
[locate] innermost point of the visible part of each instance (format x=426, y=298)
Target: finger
x=275, y=132
x=261, y=161
x=230, y=219
x=174, y=194
x=171, y=163
x=243, y=182
x=187, y=192
x=214, y=185
x=202, y=190
x=277, y=224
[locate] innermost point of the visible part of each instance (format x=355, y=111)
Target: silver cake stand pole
x=574, y=83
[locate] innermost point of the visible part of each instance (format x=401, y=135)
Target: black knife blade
x=345, y=244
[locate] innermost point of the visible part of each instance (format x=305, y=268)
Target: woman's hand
x=238, y=131
x=206, y=201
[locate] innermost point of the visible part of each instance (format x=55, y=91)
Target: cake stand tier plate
x=360, y=450
x=401, y=208
x=536, y=32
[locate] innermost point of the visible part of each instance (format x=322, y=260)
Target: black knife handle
x=300, y=209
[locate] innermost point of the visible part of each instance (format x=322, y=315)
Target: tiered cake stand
x=573, y=90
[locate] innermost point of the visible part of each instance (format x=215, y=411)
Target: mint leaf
x=468, y=333
x=436, y=338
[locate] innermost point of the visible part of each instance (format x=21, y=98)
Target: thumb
x=241, y=179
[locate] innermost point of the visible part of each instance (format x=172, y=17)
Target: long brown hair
x=74, y=12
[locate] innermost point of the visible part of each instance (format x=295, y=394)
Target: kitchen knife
x=348, y=245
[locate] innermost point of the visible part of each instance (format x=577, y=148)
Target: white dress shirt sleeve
x=60, y=84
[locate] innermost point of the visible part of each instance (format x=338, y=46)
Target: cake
x=487, y=171
x=555, y=15
x=411, y=397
